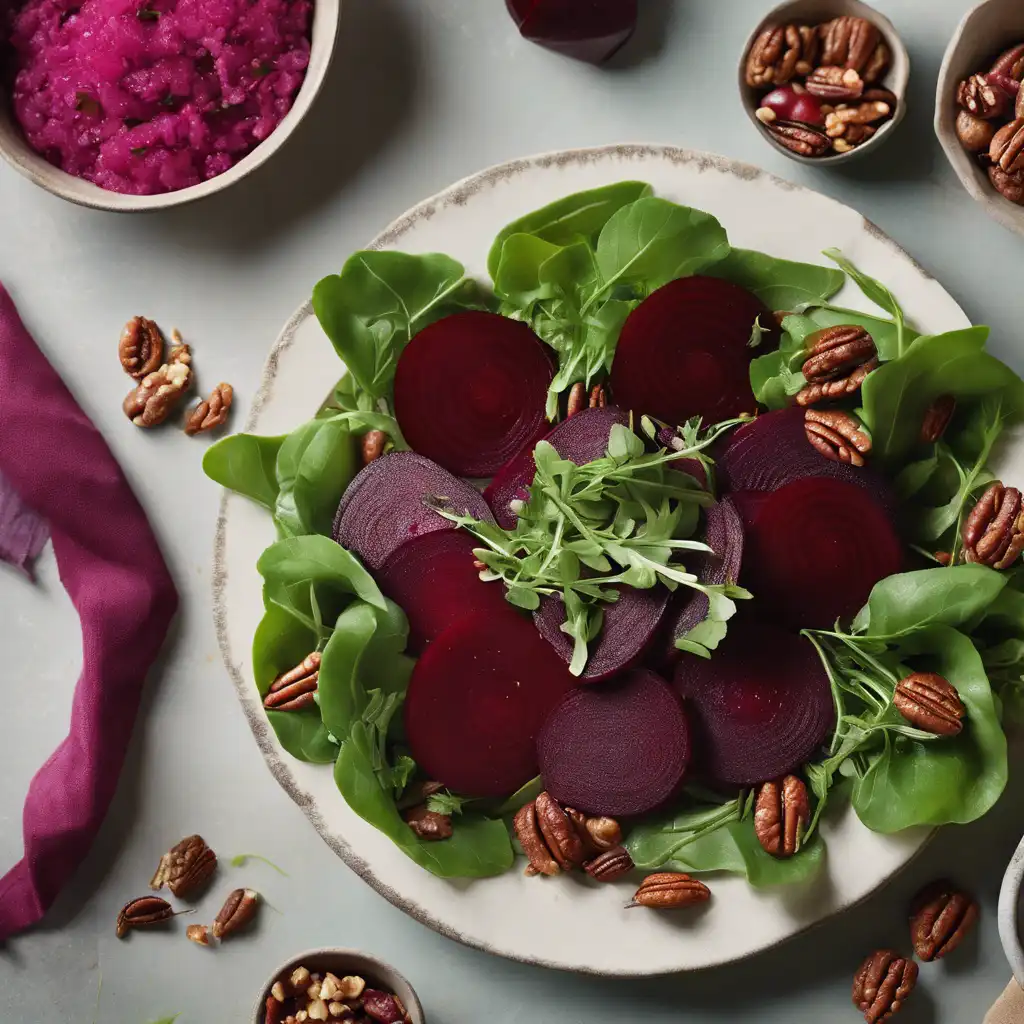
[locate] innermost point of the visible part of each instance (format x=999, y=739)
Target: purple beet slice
x=470, y=391
x=760, y=707
x=684, y=351
x=814, y=549
x=582, y=438
x=590, y=31
x=629, y=626
x=477, y=700
x=620, y=748
x=433, y=579
x=386, y=505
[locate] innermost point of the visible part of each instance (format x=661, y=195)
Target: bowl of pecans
x=979, y=108
x=824, y=80
x=341, y=985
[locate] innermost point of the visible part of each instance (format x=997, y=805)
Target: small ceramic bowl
x=342, y=962
x=16, y=151
x=816, y=12
x=1010, y=913
x=984, y=33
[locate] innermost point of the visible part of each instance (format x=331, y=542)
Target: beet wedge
x=386, y=505
x=470, y=391
x=620, y=748
x=581, y=438
x=477, y=700
x=630, y=623
x=760, y=707
x=434, y=580
x=814, y=549
x=684, y=351
x=592, y=31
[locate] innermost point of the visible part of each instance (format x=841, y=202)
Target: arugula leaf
x=779, y=284
x=447, y=803
x=240, y=860
x=245, y=463
x=876, y=292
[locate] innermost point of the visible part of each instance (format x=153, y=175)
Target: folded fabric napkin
x=1009, y=1007
x=109, y=562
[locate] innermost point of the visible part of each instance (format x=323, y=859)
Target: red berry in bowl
x=590, y=30
x=788, y=104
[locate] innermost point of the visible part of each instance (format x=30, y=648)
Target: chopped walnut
x=156, y=396
x=211, y=412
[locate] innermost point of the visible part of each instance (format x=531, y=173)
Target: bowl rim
x=382, y=971
x=899, y=85
x=17, y=153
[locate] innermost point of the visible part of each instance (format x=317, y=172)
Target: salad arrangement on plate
x=643, y=554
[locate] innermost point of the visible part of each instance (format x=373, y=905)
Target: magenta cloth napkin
x=111, y=567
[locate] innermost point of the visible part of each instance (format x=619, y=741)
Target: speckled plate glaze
x=564, y=923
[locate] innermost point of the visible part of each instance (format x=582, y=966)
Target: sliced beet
x=590, y=31
x=434, y=581
x=477, y=700
x=684, y=351
x=619, y=748
x=814, y=549
x=629, y=625
x=386, y=505
x=582, y=438
x=470, y=391
x=760, y=707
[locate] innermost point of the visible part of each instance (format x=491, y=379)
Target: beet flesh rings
x=470, y=391
x=685, y=351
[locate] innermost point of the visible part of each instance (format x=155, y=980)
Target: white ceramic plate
x=560, y=922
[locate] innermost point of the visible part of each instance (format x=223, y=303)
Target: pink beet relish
x=151, y=96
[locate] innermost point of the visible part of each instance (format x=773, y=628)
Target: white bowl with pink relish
x=145, y=104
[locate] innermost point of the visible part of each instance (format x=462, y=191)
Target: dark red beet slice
x=591, y=30
x=385, y=505
x=760, y=707
x=470, y=391
x=814, y=549
x=620, y=748
x=477, y=700
x=433, y=580
x=684, y=351
x=582, y=438
x=629, y=625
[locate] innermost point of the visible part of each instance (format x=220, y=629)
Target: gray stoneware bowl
x=1009, y=914
x=984, y=33
x=343, y=962
x=814, y=12
x=16, y=151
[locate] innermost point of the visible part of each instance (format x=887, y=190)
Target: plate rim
x=458, y=194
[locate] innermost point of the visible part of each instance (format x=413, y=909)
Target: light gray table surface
x=422, y=93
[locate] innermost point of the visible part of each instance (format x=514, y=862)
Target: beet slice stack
x=814, y=549
x=477, y=700
x=470, y=391
x=386, y=505
x=620, y=748
x=433, y=579
x=760, y=707
x=684, y=351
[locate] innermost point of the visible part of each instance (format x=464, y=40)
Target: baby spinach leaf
x=517, y=278
x=945, y=779
x=876, y=292
x=245, y=463
x=886, y=334
x=581, y=215
x=326, y=468
x=521, y=797
x=779, y=284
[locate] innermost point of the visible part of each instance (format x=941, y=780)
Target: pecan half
x=836, y=435
x=838, y=360
x=530, y=839
x=781, y=816
x=429, y=825
x=798, y=138
x=974, y=133
x=142, y=913
x=1007, y=148
x=273, y=1011
x=373, y=445
x=198, y=933
x=185, y=867
x=141, y=348
x=878, y=63
x=835, y=84
x=238, y=910
x=669, y=889
x=936, y=418
x=1009, y=186
x=1011, y=62
x=779, y=53
x=882, y=984
x=610, y=865
x=598, y=397
x=849, y=42
x=157, y=394
x=941, y=916
x=993, y=533
x=577, y=400
x=930, y=702
x=211, y=412
x=982, y=98
x=295, y=689
x=559, y=832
